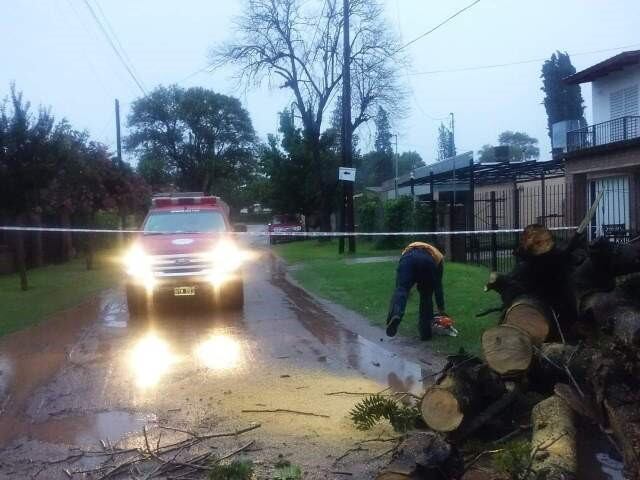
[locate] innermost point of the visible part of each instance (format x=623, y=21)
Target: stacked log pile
x=569, y=330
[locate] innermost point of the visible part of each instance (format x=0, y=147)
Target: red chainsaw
x=443, y=325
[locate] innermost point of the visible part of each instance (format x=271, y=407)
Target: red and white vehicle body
x=284, y=224
x=185, y=250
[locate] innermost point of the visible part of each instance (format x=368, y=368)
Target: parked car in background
x=285, y=223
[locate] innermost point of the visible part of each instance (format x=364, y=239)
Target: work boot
x=392, y=325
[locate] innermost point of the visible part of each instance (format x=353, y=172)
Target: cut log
x=507, y=349
x=530, y=315
x=442, y=408
x=536, y=240
x=459, y=396
x=553, y=442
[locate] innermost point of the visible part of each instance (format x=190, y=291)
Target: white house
x=605, y=155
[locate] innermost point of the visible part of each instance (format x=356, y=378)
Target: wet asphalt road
x=90, y=376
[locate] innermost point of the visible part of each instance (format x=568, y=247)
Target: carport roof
x=487, y=173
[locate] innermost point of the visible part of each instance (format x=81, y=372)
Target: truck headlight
x=227, y=257
x=137, y=263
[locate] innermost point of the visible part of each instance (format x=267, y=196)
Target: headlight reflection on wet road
x=150, y=359
x=219, y=352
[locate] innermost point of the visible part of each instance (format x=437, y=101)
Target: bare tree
x=296, y=44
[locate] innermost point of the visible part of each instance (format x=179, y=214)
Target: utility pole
x=395, y=167
x=120, y=163
x=118, y=142
x=453, y=133
x=453, y=144
x=347, y=217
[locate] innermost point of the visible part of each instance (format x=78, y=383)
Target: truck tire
x=233, y=296
x=136, y=303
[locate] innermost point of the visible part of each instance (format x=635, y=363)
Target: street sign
x=347, y=174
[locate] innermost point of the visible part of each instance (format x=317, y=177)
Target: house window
x=624, y=102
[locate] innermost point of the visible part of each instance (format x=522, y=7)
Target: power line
x=113, y=47
x=115, y=36
x=520, y=62
x=86, y=56
x=447, y=20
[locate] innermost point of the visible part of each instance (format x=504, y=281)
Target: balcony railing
x=616, y=130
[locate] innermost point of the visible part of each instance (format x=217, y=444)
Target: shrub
x=367, y=213
x=397, y=217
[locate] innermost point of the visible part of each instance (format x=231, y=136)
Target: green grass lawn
x=301, y=251
x=366, y=288
x=51, y=289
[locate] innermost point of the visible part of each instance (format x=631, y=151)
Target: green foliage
x=370, y=410
x=513, y=460
x=236, y=470
x=397, y=217
x=408, y=161
x=285, y=471
x=562, y=101
x=521, y=147
x=398, y=214
x=50, y=167
x=195, y=138
x=298, y=181
x=423, y=219
x=368, y=207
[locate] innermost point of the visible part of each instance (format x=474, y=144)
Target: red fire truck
x=185, y=250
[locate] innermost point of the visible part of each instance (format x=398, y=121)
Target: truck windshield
x=185, y=221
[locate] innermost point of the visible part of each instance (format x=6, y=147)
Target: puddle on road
x=31, y=357
x=361, y=354
x=113, y=310
x=87, y=429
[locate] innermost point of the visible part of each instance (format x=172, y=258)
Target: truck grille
x=179, y=265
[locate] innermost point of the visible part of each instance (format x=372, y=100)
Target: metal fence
x=557, y=205
x=616, y=130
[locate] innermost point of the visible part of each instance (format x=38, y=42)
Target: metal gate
x=612, y=216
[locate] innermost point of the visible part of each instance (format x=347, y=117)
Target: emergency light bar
x=160, y=202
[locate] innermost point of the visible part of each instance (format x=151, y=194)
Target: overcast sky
x=57, y=56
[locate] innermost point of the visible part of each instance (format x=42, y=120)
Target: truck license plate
x=184, y=291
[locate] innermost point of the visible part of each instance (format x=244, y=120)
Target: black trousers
x=416, y=267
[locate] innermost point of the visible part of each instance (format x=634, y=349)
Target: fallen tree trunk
x=626, y=433
x=615, y=313
x=553, y=442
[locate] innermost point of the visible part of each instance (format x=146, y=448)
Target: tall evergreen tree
x=383, y=156
x=383, y=132
x=562, y=101
x=446, y=147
